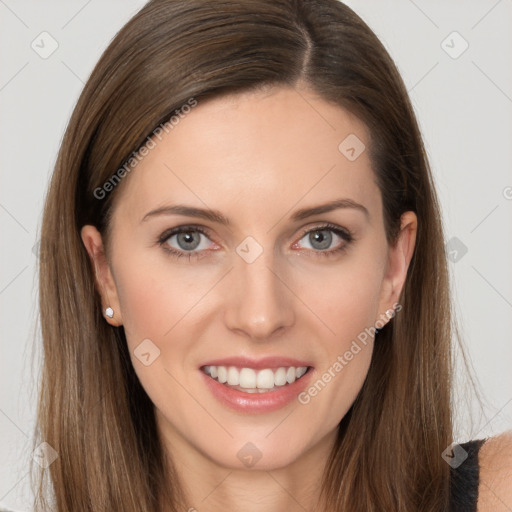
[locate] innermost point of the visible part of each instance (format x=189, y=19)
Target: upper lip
x=257, y=364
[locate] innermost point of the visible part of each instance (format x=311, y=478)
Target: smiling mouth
x=250, y=380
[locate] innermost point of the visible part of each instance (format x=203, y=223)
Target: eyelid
x=327, y=226
x=183, y=229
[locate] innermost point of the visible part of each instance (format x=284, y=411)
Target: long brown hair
x=92, y=409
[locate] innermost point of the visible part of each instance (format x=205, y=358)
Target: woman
x=245, y=242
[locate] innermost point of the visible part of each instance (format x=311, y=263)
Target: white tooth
x=222, y=374
x=213, y=372
x=280, y=377
x=290, y=375
x=247, y=378
x=300, y=371
x=207, y=370
x=251, y=390
x=265, y=379
x=233, y=376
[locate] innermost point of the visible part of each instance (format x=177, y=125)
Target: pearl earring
x=109, y=312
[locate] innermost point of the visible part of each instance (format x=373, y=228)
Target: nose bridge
x=260, y=304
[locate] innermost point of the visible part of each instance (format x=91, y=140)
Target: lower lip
x=257, y=402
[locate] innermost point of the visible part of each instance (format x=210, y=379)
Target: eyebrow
x=218, y=217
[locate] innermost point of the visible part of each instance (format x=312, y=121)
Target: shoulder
x=495, y=460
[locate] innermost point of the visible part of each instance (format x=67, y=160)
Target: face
x=270, y=274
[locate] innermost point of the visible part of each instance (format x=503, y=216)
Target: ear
x=399, y=257
x=104, y=280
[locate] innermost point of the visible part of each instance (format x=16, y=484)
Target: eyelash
x=344, y=234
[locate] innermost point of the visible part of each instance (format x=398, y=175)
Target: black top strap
x=464, y=479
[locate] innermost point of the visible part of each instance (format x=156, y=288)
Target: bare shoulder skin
x=495, y=490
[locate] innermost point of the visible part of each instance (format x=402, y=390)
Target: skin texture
x=495, y=458
x=257, y=158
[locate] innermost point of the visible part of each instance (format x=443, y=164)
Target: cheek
x=155, y=296
x=347, y=305
x=158, y=305
x=344, y=297
x=147, y=306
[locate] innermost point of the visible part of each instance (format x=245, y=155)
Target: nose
x=260, y=304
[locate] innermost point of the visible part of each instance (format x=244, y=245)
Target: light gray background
x=464, y=106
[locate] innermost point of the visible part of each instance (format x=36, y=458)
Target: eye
x=192, y=241
x=321, y=239
x=184, y=239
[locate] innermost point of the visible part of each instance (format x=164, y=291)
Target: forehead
x=257, y=154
